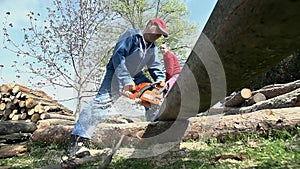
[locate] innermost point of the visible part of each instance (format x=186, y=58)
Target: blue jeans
x=98, y=108
x=91, y=115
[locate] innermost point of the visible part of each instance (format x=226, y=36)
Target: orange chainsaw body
x=148, y=93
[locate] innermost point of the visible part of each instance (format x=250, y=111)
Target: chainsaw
x=147, y=94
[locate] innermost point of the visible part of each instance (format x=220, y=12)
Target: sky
x=200, y=12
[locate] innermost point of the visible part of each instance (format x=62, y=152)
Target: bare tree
x=67, y=49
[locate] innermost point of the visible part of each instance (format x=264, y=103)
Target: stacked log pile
x=18, y=102
x=23, y=111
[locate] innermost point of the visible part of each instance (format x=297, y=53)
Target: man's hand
x=162, y=83
x=129, y=87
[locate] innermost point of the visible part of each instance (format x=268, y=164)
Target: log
x=268, y=91
x=234, y=100
x=246, y=93
x=52, y=134
x=258, y=97
x=19, y=94
x=23, y=116
x=15, y=101
x=56, y=122
x=46, y=102
x=39, y=108
x=13, y=150
x=241, y=40
x=52, y=108
x=274, y=90
x=9, y=127
x=12, y=97
x=290, y=99
x=14, y=112
x=198, y=127
x=21, y=103
x=6, y=114
x=15, y=136
x=15, y=90
x=37, y=93
x=56, y=116
x=35, y=117
x=238, y=98
x=5, y=88
x=2, y=106
x=143, y=133
x=30, y=112
x=5, y=100
x=286, y=100
x=29, y=102
x=260, y=122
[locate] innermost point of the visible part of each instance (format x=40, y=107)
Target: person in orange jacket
x=171, y=65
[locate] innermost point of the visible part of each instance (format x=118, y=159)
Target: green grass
x=281, y=150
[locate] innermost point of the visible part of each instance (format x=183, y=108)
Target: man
x=134, y=50
x=171, y=65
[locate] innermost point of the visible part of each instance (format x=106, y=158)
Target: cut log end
x=246, y=93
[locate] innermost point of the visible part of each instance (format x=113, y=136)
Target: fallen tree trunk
x=144, y=133
x=260, y=122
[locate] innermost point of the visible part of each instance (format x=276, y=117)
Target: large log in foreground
x=241, y=39
x=144, y=133
x=219, y=126
x=260, y=122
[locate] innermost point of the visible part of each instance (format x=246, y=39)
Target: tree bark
x=52, y=134
x=9, y=127
x=13, y=150
x=286, y=100
x=269, y=91
x=235, y=46
x=56, y=122
x=15, y=136
x=259, y=122
x=17, y=100
x=56, y=116
x=258, y=97
x=144, y=133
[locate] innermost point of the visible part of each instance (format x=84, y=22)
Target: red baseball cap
x=156, y=26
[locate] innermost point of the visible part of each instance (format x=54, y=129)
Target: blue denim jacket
x=131, y=54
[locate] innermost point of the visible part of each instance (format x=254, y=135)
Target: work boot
x=77, y=147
